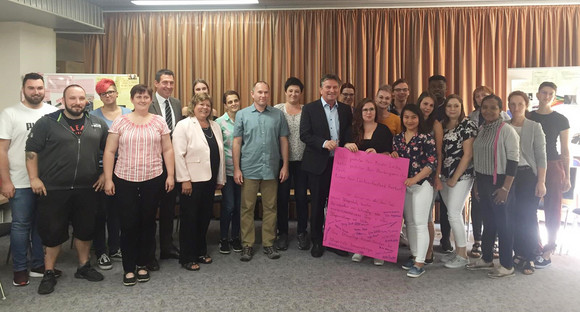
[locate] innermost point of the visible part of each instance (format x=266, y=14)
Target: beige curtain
x=367, y=47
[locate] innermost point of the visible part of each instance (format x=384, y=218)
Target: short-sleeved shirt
x=227, y=126
x=296, y=146
x=453, y=149
x=260, y=133
x=15, y=125
x=99, y=113
x=552, y=124
x=420, y=151
x=140, y=148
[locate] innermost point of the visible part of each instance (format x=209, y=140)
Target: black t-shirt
x=76, y=125
x=552, y=124
x=381, y=141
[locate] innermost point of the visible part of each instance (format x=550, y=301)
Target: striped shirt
x=139, y=149
x=484, y=159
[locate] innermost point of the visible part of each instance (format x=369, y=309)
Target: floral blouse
x=420, y=151
x=453, y=149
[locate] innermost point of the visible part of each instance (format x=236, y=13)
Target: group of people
x=107, y=173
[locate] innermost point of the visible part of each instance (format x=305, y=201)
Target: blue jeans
x=24, y=231
x=230, y=209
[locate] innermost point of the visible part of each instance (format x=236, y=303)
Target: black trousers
x=496, y=220
x=319, y=189
x=195, y=215
x=298, y=179
x=107, y=227
x=136, y=203
x=166, y=216
x=524, y=214
x=444, y=220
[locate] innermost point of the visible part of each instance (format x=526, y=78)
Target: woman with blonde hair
x=200, y=168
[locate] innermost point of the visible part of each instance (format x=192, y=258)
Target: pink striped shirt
x=139, y=149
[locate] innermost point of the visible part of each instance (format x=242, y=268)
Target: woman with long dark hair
x=457, y=173
x=426, y=103
x=419, y=147
x=369, y=136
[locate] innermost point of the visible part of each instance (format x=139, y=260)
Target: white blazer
x=192, y=161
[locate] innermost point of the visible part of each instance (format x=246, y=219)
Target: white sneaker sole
x=34, y=274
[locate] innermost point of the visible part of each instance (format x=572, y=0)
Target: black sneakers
x=236, y=244
x=224, y=246
x=87, y=272
x=47, y=284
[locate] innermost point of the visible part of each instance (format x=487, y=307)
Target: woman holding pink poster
x=419, y=147
x=369, y=136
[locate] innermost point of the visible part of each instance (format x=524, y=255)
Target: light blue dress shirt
x=333, y=121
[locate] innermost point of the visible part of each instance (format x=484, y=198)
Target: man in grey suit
x=170, y=109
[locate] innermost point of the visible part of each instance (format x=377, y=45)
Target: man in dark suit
x=323, y=128
x=170, y=109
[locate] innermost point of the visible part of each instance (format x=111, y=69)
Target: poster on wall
x=55, y=84
x=565, y=102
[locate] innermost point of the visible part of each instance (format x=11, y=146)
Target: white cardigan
x=192, y=160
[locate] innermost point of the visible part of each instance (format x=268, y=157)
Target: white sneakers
x=457, y=262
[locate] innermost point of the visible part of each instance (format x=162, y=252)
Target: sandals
x=204, y=259
x=528, y=268
x=142, y=277
x=476, y=250
x=191, y=266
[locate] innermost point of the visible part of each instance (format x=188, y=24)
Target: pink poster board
x=365, y=205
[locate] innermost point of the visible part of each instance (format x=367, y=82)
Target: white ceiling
x=126, y=5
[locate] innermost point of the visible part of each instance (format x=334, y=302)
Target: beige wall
x=25, y=48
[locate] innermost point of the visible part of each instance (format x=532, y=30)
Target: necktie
x=168, y=116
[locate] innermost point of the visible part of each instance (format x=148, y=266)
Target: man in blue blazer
x=323, y=128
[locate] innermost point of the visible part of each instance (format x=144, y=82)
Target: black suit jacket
x=314, y=131
x=154, y=108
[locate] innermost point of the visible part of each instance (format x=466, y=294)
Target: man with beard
x=15, y=124
x=62, y=159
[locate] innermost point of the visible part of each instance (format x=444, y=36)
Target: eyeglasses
x=108, y=93
x=401, y=90
x=368, y=110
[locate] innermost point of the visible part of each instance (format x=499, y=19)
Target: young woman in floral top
x=457, y=173
x=419, y=147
